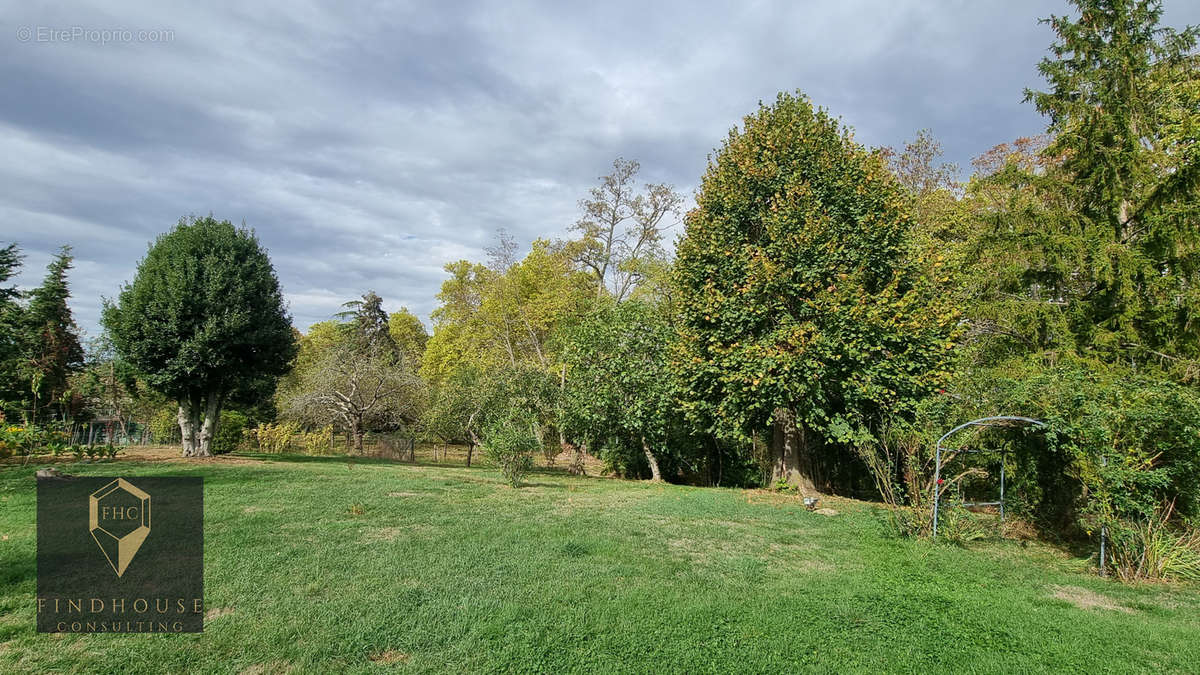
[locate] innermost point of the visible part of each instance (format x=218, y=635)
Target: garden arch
x=995, y=421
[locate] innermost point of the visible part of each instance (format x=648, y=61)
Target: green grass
x=447, y=570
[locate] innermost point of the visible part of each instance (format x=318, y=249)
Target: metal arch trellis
x=996, y=421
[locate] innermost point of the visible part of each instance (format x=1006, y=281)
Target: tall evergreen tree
x=12, y=391
x=1099, y=242
x=53, y=348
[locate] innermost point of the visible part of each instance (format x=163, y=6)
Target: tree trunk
x=656, y=476
x=356, y=432
x=792, y=453
x=577, y=466
x=471, y=446
x=208, y=429
x=189, y=425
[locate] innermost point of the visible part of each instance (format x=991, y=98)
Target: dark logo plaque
x=120, y=555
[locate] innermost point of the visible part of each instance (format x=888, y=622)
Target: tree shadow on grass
x=557, y=472
x=325, y=459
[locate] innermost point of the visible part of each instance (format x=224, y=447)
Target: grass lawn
x=446, y=569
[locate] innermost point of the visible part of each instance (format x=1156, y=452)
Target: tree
x=410, y=337
x=371, y=324
x=203, y=318
x=1085, y=307
x=621, y=229
x=932, y=187
x=351, y=373
x=1113, y=244
x=358, y=388
x=52, y=339
x=619, y=386
x=12, y=331
x=799, y=302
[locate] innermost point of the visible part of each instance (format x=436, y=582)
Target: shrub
x=273, y=438
x=316, y=442
x=1154, y=549
x=511, y=445
x=164, y=426
x=229, y=432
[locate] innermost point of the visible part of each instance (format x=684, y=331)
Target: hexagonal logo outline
x=125, y=547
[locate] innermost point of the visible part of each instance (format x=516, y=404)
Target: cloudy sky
x=370, y=143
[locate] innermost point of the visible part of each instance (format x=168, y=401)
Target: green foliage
x=503, y=316
x=510, y=444
x=410, y=336
x=619, y=387
x=164, y=425
x=1093, y=249
x=12, y=387
x=52, y=348
x=1085, y=277
x=1127, y=442
x=1154, y=549
x=230, y=432
x=797, y=287
x=272, y=438
x=205, y=312
x=204, y=320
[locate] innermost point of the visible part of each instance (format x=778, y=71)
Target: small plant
x=511, y=445
x=959, y=526
x=1155, y=549
x=92, y=452
x=77, y=451
x=357, y=509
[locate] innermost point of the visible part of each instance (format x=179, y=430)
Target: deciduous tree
x=798, y=300
x=622, y=228
x=203, y=318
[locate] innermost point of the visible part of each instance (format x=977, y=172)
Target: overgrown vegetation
x=829, y=312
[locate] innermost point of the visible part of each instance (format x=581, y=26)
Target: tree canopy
x=203, y=318
x=798, y=299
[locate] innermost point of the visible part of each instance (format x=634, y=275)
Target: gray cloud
x=370, y=144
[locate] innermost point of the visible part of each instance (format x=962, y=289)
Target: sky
x=369, y=144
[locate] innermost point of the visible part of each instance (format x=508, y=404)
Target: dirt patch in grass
x=389, y=656
x=406, y=494
x=1085, y=599
x=216, y=613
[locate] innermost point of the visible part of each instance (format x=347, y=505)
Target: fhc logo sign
x=119, y=520
x=120, y=555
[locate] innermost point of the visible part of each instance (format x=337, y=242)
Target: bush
x=229, y=432
x=164, y=426
x=316, y=442
x=511, y=446
x=1154, y=549
x=273, y=438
